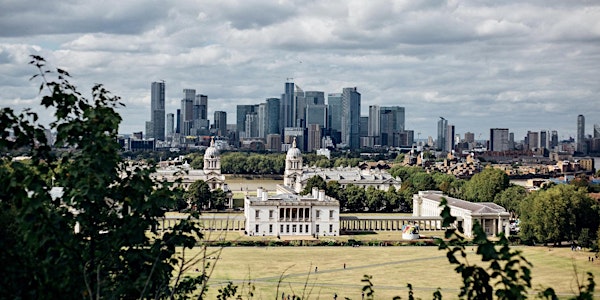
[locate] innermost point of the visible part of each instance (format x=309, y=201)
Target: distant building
x=492, y=217
x=499, y=139
x=290, y=214
x=220, y=121
x=581, y=134
x=157, y=106
x=351, y=117
x=442, y=134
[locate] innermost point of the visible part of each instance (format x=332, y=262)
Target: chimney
x=265, y=195
x=321, y=195
x=259, y=192
x=315, y=192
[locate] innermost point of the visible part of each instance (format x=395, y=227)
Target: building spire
x=294, y=143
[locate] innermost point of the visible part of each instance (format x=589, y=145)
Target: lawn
x=392, y=268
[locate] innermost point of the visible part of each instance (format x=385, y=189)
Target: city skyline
x=477, y=65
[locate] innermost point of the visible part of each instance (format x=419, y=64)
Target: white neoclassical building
x=493, y=217
x=289, y=214
x=211, y=172
x=296, y=176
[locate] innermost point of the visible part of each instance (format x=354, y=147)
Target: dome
x=211, y=152
x=293, y=152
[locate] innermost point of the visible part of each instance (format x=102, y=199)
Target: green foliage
x=200, y=195
x=511, y=199
x=484, y=186
x=90, y=240
x=315, y=181
x=506, y=267
x=252, y=163
x=557, y=214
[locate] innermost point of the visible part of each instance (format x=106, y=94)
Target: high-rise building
x=533, y=139
x=334, y=114
x=441, y=134
x=364, y=126
x=544, y=142
x=374, y=127
x=178, y=121
x=580, y=133
x=241, y=112
x=220, y=122
x=310, y=98
x=251, y=125
x=391, y=120
x=273, y=107
x=499, y=139
x=187, y=111
x=157, y=103
x=469, y=137
x=316, y=114
x=288, y=106
x=596, y=131
x=449, y=138
x=351, y=117
x=262, y=119
x=554, y=139
x=170, y=125
x=314, y=137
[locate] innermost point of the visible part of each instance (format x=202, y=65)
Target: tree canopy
x=484, y=186
x=77, y=220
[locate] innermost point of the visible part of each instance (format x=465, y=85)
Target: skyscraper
x=157, y=103
x=187, y=111
x=533, y=138
x=374, y=128
x=273, y=107
x=220, y=122
x=499, y=139
x=554, y=139
x=241, y=112
x=351, y=117
x=287, y=107
x=316, y=114
x=449, y=138
x=441, y=134
x=334, y=103
x=580, y=133
x=596, y=131
x=391, y=120
x=170, y=125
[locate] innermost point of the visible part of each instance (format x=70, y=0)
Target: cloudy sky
x=522, y=65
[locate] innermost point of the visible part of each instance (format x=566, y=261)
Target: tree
x=88, y=238
x=511, y=199
x=484, y=186
x=558, y=214
x=199, y=195
x=355, y=198
x=315, y=181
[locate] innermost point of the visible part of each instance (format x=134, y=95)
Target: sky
x=517, y=64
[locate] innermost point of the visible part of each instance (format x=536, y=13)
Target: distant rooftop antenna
x=290, y=79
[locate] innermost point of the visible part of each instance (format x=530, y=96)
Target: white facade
x=211, y=173
x=290, y=214
x=494, y=218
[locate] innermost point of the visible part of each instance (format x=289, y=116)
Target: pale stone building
x=290, y=214
x=296, y=176
x=494, y=218
x=211, y=172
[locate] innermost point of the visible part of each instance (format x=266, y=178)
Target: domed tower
x=212, y=160
x=293, y=167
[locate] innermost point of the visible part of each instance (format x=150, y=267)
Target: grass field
x=426, y=268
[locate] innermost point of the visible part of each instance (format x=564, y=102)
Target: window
x=330, y=227
x=270, y=228
x=300, y=227
x=306, y=227
x=287, y=228
x=318, y=213
x=317, y=231
x=257, y=214
x=331, y=214
x=294, y=228
x=270, y=214
x=256, y=228
x=281, y=228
